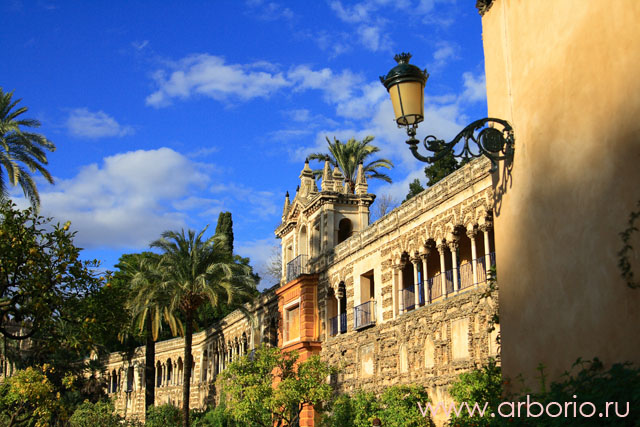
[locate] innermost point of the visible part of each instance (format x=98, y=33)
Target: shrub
x=396, y=407
x=400, y=406
x=587, y=381
x=478, y=386
x=164, y=416
x=218, y=416
x=90, y=414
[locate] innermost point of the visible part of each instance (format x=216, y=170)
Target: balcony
x=364, y=315
x=407, y=296
x=297, y=267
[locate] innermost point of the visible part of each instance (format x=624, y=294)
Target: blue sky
x=166, y=113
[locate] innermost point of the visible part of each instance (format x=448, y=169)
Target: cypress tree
x=225, y=228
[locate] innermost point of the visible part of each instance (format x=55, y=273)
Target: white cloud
x=210, y=76
x=127, y=201
x=444, y=52
x=261, y=203
x=475, y=89
x=260, y=252
x=374, y=38
x=269, y=10
x=83, y=123
x=139, y=45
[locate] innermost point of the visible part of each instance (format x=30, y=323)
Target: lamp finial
x=402, y=58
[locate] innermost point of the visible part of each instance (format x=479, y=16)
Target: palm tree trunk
x=186, y=387
x=149, y=368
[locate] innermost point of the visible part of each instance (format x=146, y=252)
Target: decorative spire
x=361, y=181
x=327, y=182
x=338, y=179
x=287, y=206
x=306, y=180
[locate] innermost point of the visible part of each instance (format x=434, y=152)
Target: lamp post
x=405, y=83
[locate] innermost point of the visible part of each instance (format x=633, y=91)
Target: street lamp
x=405, y=84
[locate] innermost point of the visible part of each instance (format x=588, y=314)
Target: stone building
x=401, y=300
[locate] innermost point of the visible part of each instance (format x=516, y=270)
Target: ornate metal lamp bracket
x=487, y=140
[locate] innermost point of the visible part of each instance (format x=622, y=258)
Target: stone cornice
x=483, y=6
x=456, y=182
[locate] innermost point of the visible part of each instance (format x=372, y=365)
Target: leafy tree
x=163, y=416
x=28, y=398
x=43, y=284
x=101, y=414
x=193, y=271
x=270, y=388
x=415, y=188
x=347, y=156
x=20, y=146
x=217, y=417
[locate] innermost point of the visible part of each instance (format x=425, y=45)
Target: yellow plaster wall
x=566, y=74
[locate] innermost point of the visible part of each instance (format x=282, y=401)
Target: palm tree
x=347, y=156
x=148, y=307
x=195, y=271
x=19, y=146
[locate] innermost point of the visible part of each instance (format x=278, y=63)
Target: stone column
x=425, y=289
x=471, y=234
x=339, y=314
x=485, y=230
x=416, y=282
x=400, y=288
x=453, y=247
x=443, y=282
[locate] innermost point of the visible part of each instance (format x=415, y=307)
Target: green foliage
x=97, y=414
x=194, y=271
x=18, y=145
x=163, y=416
x=218, y=416
x=400, y=406
x=225, y=228
x=627, y=252
x=415, y=188
x=396, y=407
x=478, y=386
x=347, y=156
x=587, y=381
x=271, y=387
x=29, y=398
x=442, y=167
x=45, y=289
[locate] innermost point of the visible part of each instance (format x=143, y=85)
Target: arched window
x=169, y=372
x=344, y=230
x=158, y=374
x=130, y=378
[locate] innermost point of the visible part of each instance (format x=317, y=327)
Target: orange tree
x=270, y=388
x=54, y=307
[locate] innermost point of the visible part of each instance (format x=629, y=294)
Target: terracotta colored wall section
x=304, y=288
x=565, y=74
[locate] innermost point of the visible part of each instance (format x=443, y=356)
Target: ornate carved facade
x=397, y=301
